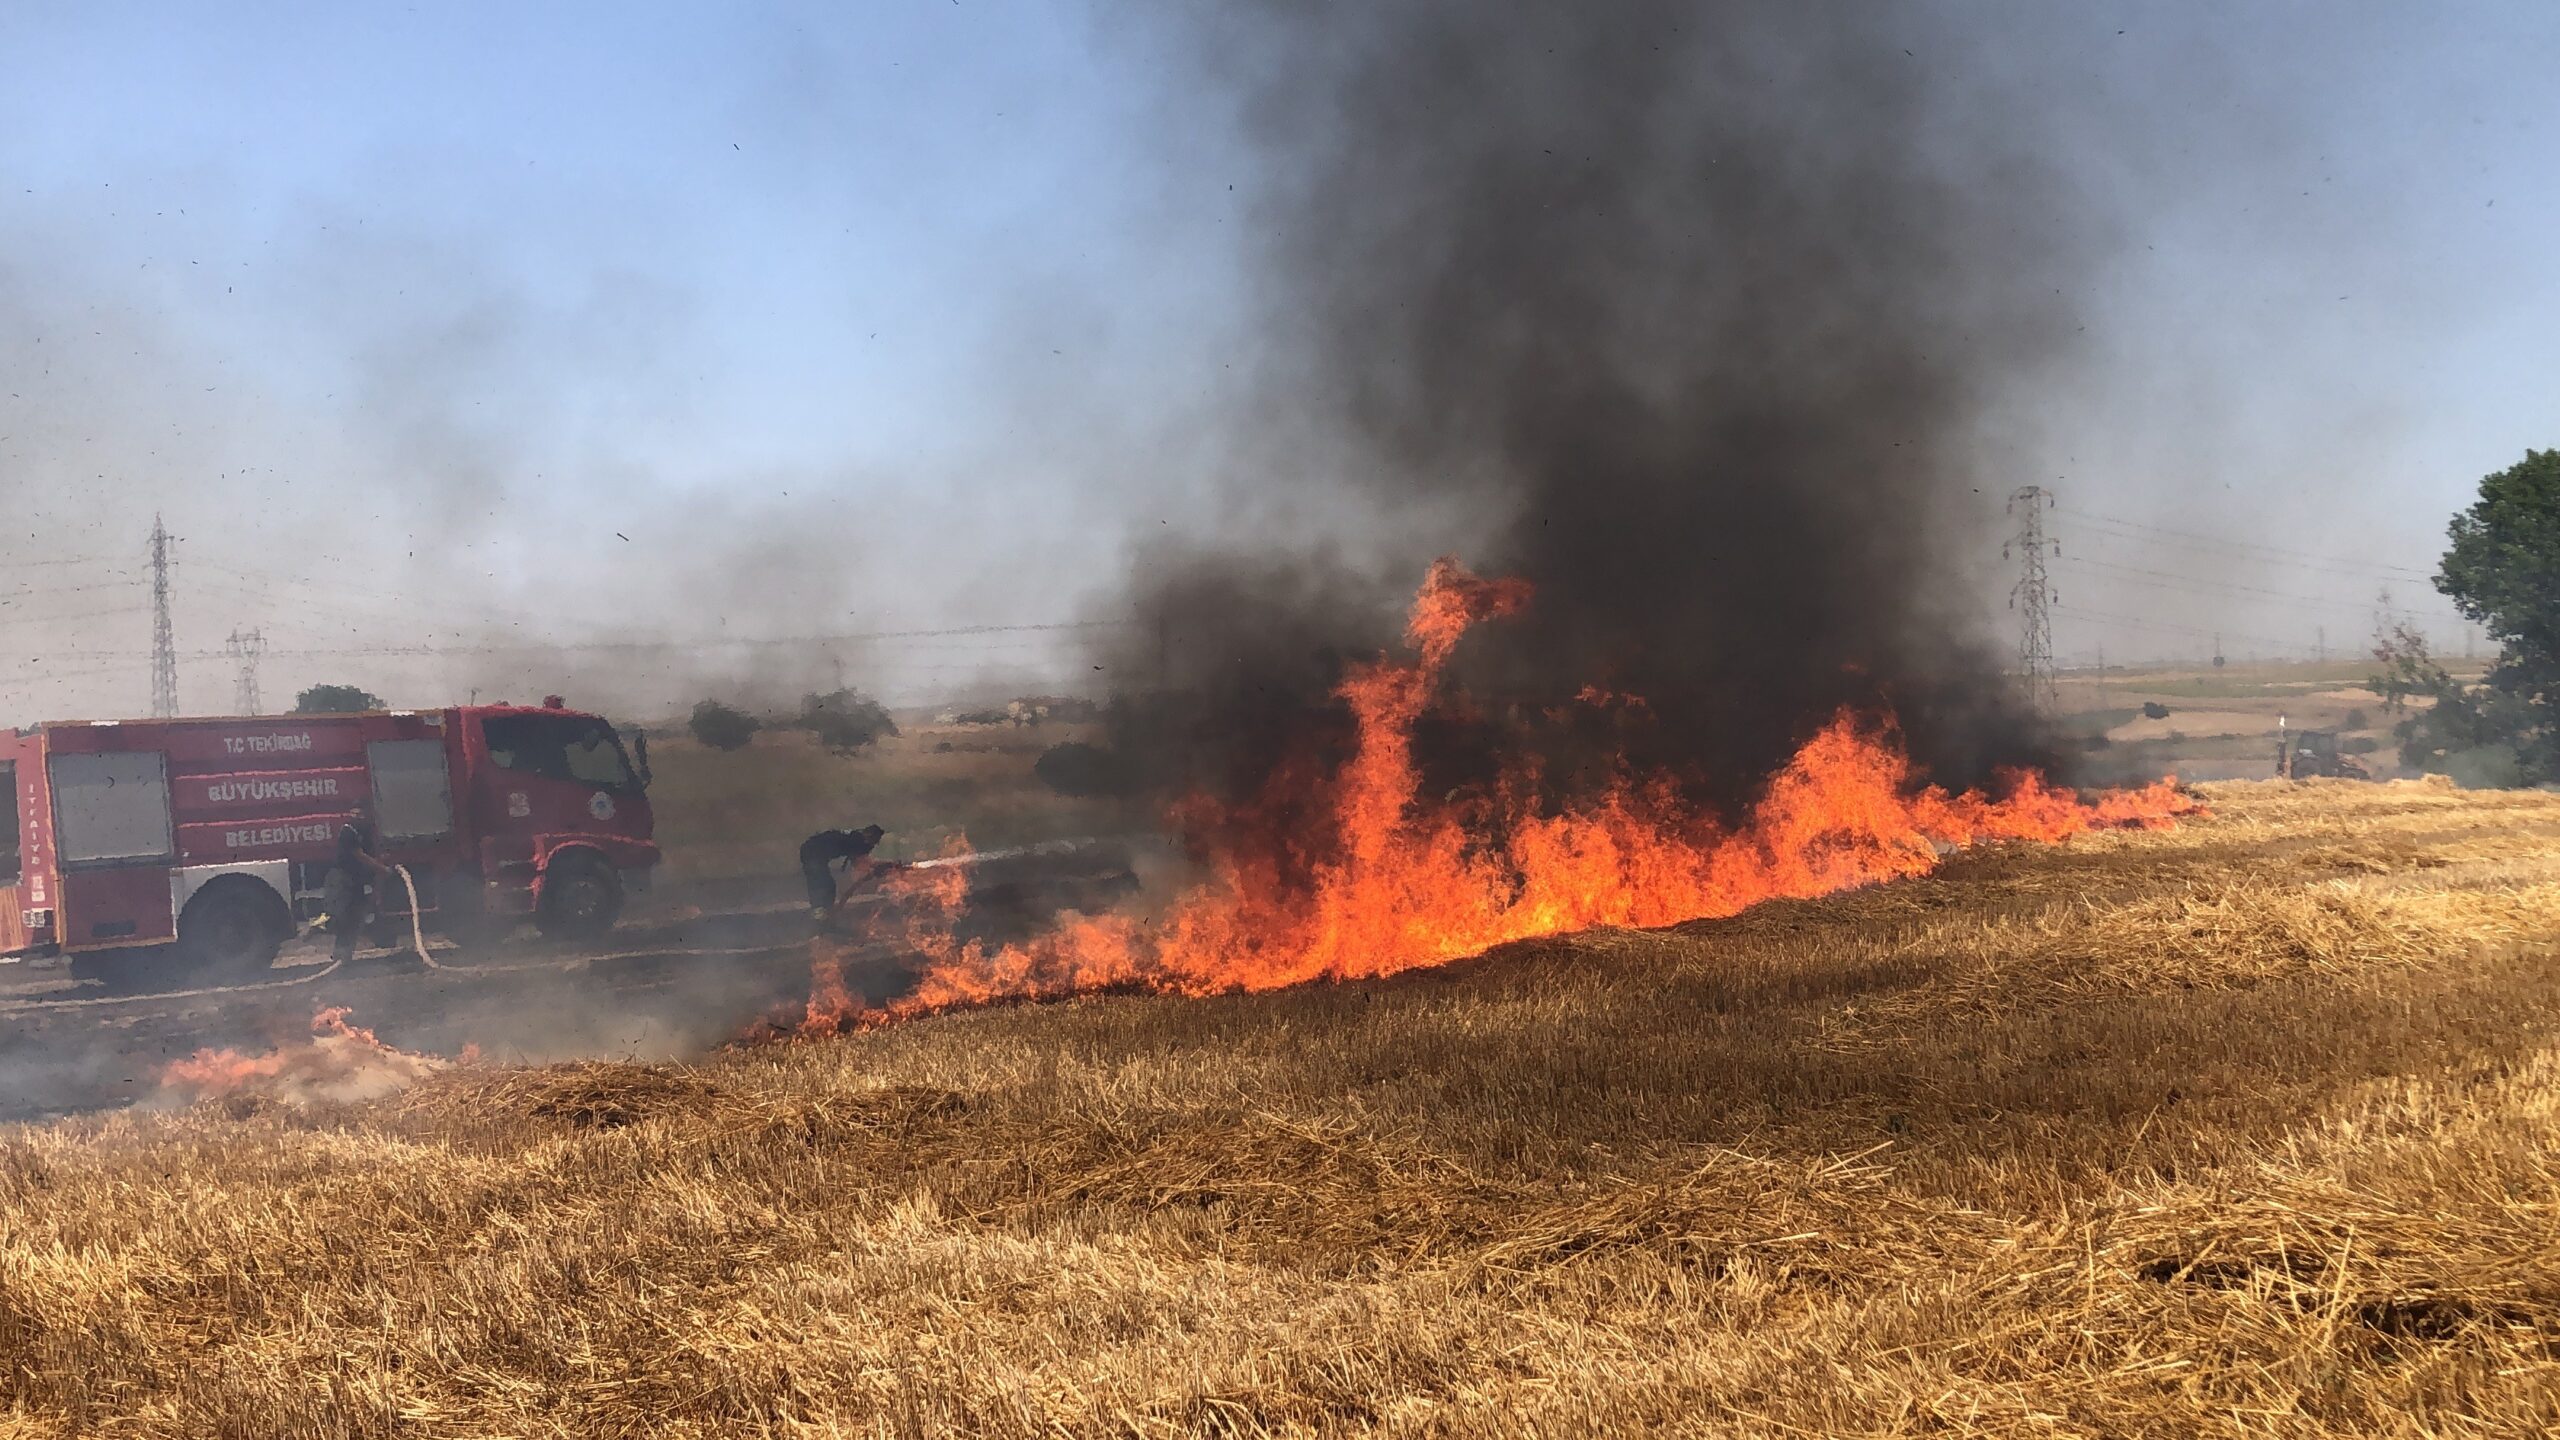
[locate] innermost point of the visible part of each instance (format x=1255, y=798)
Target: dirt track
x=670, y=982
x=652, y=993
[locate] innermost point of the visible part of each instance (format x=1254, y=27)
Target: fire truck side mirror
x=640, y=755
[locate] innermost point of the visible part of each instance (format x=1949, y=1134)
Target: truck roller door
x=114, y=839
x=412, y=799
x=111, y=807
x=13, y=930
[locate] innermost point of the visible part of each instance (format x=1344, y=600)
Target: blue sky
x=449, y=324
x=798, y=295
x=785, y=188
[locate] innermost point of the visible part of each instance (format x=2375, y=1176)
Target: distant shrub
x=723, y=727
x=2356, y=720
x=846, y=720
x=1078, y=769
x=2358, y=745
x=2154, y=710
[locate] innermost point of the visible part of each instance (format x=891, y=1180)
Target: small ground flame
x=339, y=1062
x=1389, y=882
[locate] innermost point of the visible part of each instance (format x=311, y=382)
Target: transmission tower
x=245, y=651
x=164, y=644
x=2032, y=596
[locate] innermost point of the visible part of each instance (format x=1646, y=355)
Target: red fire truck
x=213, y=837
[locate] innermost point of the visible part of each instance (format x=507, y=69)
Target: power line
x=356, y=596
x=74, y=618
x=2083, y=613
x=52, y=676
x=694, y=644
x=392, y=608
x=51, y=590
x=2280, y=554
x=2198, y=584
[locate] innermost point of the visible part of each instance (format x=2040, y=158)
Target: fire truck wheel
x=581, y=898
x=232, y=928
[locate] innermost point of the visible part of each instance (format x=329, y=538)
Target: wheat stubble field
x=2247, y=1127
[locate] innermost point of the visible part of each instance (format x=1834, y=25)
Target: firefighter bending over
x=820, y=854
x=358, y=866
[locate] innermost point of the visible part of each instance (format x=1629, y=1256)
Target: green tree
x=335, y=700
x=2503, y=571
x=723, y=727
x=2444, y=726
x=846, y=720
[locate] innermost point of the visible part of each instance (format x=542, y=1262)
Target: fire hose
x=417, y=941
x=164, y=996
x=417, y=930
x=418, y=944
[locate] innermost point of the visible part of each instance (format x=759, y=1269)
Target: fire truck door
x=110, y=822
x=13, y=929
x=412, y=799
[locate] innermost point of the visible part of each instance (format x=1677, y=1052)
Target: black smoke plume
x=1687, y=312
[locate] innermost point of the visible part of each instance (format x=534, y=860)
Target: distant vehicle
x=214, y=836
x=2309, y=754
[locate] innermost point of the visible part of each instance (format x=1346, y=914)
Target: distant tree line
x=336, y=700
x=844, y=721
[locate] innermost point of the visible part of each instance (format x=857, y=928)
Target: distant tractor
x=2309, y=754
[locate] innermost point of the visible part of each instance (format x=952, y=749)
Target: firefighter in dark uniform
x=358, y=866
x=822, y=852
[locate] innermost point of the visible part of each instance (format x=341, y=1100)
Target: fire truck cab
x=213, y=837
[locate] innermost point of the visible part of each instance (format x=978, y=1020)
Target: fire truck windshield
x=560, y=747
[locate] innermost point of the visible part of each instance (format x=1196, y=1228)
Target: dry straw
x=2243, y=1129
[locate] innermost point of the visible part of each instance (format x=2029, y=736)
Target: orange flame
x=340, y=1062
x=831, y=1001
x=1398, y=884
x=919, y=911
x=220, y=1072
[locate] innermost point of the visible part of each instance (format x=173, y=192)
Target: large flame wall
x=1398, y=882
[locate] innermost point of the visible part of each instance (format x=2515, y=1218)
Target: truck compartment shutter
x=113, y=806
x=411, y=797
x=9, y=827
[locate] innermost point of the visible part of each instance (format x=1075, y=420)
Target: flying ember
x=1388, y=878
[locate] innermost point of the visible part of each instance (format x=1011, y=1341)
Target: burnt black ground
x=666, y=985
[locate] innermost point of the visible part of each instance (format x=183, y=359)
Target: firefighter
x=359, y=866
x=819, y=855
